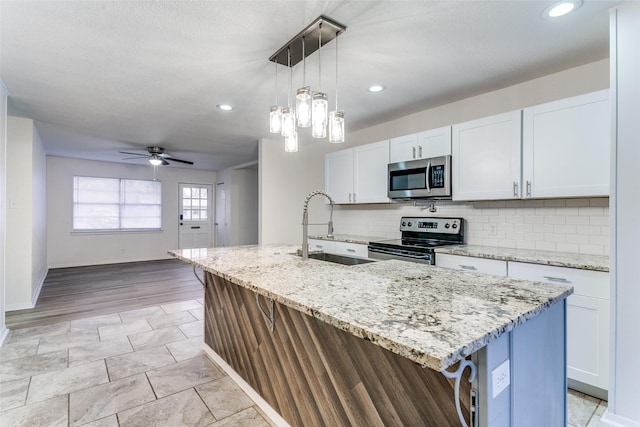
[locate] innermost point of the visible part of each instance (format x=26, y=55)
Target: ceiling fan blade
x=134, y=158
x=134, y=154
x=164, y=162
x=173, y=159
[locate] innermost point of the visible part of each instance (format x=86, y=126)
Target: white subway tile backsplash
x=565, y=225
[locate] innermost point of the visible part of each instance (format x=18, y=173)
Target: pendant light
x=336, y=117
x=303, y=96
x=289, y=114
x=289, y=117
x=319, y=104
x=275, y=115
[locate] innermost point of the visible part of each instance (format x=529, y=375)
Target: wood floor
x=77, y=292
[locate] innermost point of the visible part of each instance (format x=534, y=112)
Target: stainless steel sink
x=339, y=259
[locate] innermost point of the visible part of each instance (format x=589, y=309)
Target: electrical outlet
x=500, y=378
x=493, y=229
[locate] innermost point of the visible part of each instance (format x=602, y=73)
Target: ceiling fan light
x=155, y=160
x=319, y=112
x=336, y=127
x=303, y=107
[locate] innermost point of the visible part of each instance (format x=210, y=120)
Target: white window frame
x=122, y=206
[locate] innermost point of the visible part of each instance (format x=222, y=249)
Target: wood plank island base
x=375, y=344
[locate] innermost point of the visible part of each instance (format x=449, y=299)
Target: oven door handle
x=400, y=253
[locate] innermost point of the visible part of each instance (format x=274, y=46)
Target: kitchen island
x=385, y=343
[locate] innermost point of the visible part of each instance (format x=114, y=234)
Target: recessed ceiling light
x=225, y=107
x=376, y=88
x=561, y=8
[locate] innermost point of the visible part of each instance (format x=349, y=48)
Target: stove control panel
x=431, y=225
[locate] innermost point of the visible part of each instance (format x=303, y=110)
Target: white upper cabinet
x=370, y=177
x=430, y=143
x=358, y=175
x=486, y=158
x=338, y=175
x=566, y=146
x=403, y=148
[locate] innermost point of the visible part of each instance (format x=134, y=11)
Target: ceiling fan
x=156, y=156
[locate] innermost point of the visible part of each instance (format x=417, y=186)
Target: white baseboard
x=4, y=333
x=36, y=294
x=618, y=421
x=253, y=395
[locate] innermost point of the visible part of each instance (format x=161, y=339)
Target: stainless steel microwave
x=420, y=179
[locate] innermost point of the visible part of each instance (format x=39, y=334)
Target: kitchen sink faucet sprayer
x=305, y=222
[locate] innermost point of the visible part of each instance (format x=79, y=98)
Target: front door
x=194, y=216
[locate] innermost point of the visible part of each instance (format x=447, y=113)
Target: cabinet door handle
x=354, y=197
x=349, y=197
x=557, y=279
x=467, y=267
x=515, y=189
x=351, y=250
x=528, y=188
x=318, y=246
x=420, y=151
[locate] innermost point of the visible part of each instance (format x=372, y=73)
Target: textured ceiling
x=101, y=76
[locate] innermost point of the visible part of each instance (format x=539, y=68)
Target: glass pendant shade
x=319, y=111
x=291, y=142
x=275, y=119
x=303, y=107
x=288, y=121
x=336, y=126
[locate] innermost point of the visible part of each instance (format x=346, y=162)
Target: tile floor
x=136, y=368
x=139, y=368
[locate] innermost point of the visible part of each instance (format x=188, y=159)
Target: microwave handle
x=427, y=177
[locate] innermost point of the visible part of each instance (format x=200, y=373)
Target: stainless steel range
x=420, y=235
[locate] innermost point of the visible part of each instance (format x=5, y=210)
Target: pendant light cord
x=319, y=59
x=290, y=75
x=276, y=64
x=336, y=71
x=304, y=64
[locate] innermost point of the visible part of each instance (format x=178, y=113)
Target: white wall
x=3, y=191
x=26, y=221
x=38, y=216
x=241, y=190
x=579, y=225
x=65, y=248
x=624, y=394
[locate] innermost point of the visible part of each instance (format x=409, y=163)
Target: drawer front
x=478, y=265
x=321, y=245
x=351, y=249
x=594, y=284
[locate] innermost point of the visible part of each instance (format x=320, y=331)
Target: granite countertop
x=350, y=238
x=558, y=259
x=430, y=315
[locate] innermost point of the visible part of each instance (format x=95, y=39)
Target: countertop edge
x=385, y=342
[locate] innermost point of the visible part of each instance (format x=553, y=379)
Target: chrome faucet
x=305, y=222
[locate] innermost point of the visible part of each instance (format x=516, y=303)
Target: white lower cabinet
x=339, y=248
x=478, y=265
x=587, y=319
x=321, y=245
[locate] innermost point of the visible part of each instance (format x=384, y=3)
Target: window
x=116, y=204
x=194, y=204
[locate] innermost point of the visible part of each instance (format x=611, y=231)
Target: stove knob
x=446, y=225
x=404, y=223
x=410, y=224
x=454, y=225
